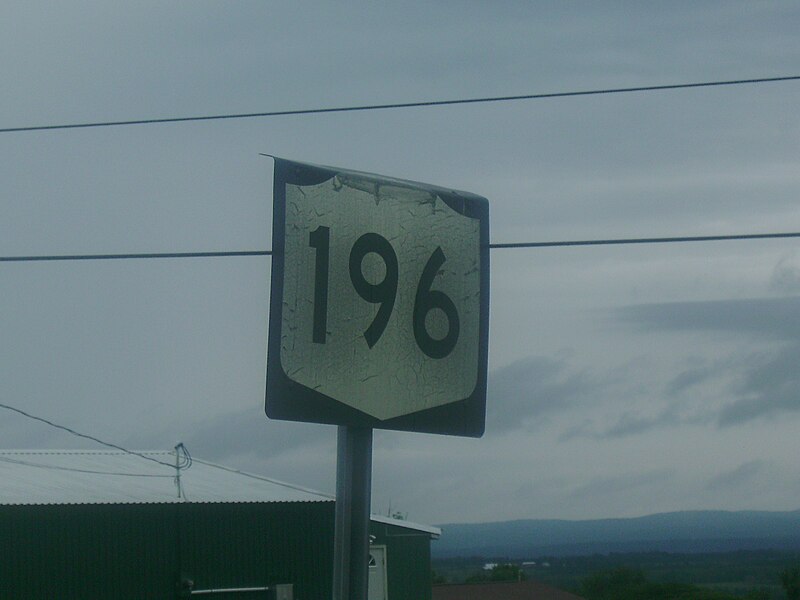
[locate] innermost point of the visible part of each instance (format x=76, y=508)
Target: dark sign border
x=288, y=400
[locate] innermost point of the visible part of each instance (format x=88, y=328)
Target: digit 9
x=384, y=292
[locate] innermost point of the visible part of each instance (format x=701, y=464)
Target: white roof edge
x=407, y=524
x=299, y=488
x=45, y=451
x=152, y=502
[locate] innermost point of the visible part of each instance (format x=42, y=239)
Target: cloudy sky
x=623, y=380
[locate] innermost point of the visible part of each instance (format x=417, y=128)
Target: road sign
x=379, y=302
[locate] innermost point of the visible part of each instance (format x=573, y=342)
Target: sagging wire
x=84, y=435
x=26, y=463
x=397, y=105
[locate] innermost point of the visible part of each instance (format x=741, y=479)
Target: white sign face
x=381, y=302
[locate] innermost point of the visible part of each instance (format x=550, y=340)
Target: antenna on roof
x=183, y=460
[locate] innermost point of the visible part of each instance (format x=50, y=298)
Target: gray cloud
x=766, y=383
x=771, y=386
x=762, y=384
x=19, y=432
x=614, y=485
x=246, y=432
x=149, y=353
x=786, y=275
x=769, y=317
x=740, y=476
x=533, y=387
x=690, y=378
x=630, y=423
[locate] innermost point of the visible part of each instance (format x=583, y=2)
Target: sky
x=623, y=380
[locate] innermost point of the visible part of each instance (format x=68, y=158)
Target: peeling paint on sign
x=381, y=293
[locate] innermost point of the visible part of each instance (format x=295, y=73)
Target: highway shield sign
x=379, y=302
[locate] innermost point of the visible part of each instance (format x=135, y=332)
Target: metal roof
x=434, y=531
x=111, y=477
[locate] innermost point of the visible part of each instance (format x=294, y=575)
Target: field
x=738, y=573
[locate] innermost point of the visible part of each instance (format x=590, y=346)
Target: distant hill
x=688, y=531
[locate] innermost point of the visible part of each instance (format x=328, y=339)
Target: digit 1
x=320, y=240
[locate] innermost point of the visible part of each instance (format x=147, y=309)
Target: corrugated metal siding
x=81, y=552
x=286, y=543
x=131, y=552
x=408, y=561
x=137, y=551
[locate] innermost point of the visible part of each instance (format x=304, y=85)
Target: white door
x=377, y=573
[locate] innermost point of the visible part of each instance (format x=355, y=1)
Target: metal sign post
x=351, y=530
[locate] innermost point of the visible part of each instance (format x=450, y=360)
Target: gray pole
x=178, y=469
x=351, y=534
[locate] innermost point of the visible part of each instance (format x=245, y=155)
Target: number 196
x=383, y=292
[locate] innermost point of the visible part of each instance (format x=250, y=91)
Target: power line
x=138, y=255
x=397, y=105
x=495, y=246
x=657, y=240
x=75, y=470
x=261, y=478
x=85, y=436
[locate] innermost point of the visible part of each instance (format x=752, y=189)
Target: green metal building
x=85, y=525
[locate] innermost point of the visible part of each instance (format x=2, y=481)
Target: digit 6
x=425, y=301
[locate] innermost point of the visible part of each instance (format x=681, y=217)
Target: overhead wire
x=653, y=240
x=84, y=435
x=244, y=253
x=136, y=255
x=492, y=246
x=399, y=105
x=268, y=479
x=184, y=461
x=26, y=463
